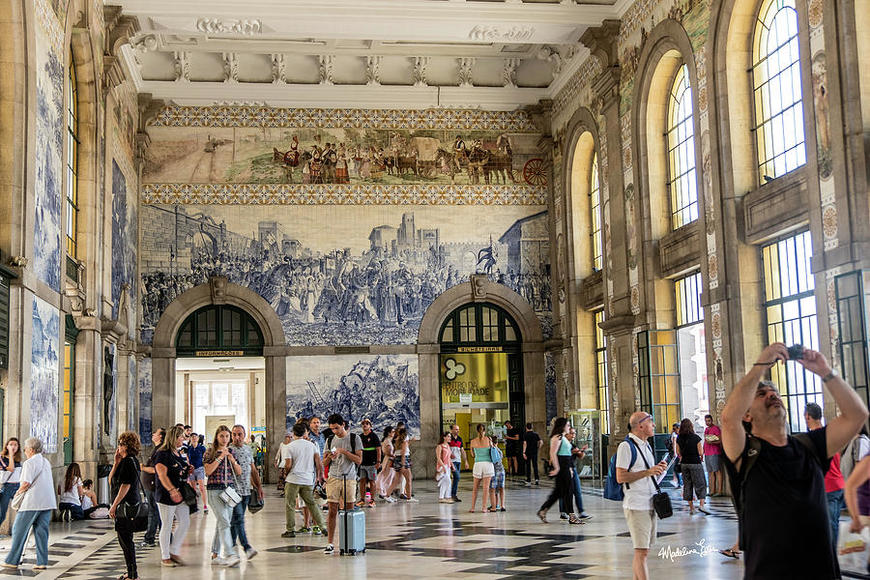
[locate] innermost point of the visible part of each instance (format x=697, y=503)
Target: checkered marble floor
x=430, y=540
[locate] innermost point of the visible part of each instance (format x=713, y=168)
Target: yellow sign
x=213, y=353
x=479, y=349
x=480, y=376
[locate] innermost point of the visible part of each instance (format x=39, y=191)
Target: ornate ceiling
x=493, y=54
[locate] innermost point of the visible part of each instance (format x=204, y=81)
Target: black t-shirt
x=785, y=530
x=531, y=438
x=177, y=471
x=370, y=445
x=513, y=446
x=688, y=445
x=127, y=472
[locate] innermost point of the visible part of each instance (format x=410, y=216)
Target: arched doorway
x=223, y=325
x=481, y=370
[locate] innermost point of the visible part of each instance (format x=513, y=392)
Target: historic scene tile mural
x=382, y=388
x=125, y=228
x=45, y=374
x=343, y=274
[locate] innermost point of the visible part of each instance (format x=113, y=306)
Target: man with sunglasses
x=778, y=478
x=639, y=488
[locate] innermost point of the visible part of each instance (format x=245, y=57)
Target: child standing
x=496, y=487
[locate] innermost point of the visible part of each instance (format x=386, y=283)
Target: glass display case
x=586, y=422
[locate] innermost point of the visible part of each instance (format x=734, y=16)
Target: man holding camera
x=779, y=479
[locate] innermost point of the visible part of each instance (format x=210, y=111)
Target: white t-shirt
x=638, y=494
x=86, y=503
x=281, y=448
x=302, y=471
x=40, y=496
x=71, y=496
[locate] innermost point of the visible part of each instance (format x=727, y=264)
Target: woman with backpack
x=560, y=458
x=124, y=477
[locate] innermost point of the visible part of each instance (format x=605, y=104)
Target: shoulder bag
x=229, y=495
x=4, y=475
x=19, y=498
x=136, y=512
x=661, y=500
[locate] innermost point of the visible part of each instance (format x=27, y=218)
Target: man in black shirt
x=371, y=459
x=531, y=443
x=512, y=446
x=783, y=515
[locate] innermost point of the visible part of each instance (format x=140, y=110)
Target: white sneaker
x=250, y=553
x=390, y=499
x=329, y=549
x=231, y=561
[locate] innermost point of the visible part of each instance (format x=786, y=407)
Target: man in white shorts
x=639, y=488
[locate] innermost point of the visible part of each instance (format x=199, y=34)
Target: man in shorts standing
x=712, y=450
x=343, y=453
x=371, y=459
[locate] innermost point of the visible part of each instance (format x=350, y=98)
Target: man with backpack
x=778, y=479
x=342, y=454
x=635, y=468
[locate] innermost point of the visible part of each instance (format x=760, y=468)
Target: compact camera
x=796, y=352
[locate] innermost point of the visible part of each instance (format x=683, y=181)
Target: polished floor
x=425, y=539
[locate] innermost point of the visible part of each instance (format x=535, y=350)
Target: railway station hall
x=393, y=289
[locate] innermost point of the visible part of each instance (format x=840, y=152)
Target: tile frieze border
x=254, y=116
x=345, y=194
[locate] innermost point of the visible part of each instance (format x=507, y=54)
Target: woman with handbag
x=124, y=477
x=560, y=459
x=34, y=500
x=172, y=471
x=10, y=474
x=690, y=450
x=221, y=468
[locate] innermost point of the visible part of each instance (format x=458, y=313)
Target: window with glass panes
x=790, y=305
x=682, y=182
x=72, y=152
x=777, y=91
x=69, y=378
x=595, y=203
x=688, y=294
x=692, y=347
x=601, y=375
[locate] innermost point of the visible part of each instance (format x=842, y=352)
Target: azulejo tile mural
x=44, y=374
x=382, y=388
x=125, y=226
x=343, y=274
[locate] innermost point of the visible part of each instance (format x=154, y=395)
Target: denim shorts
x=199, y=474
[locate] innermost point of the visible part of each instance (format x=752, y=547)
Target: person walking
x=247, y=483
x=221, y=469
x=401, y=466
x=10, y=474
x=195, y=453
x=71, y=492
x=368, y=469
x=343, y=455
x=36, y=507
x=690, y=450
x=483, y=469
x=303, y=468
x=124, y=478
x=560, y=458
x=672, y=450
x=459, y=459
x=172, y=470
x=149, y=478
x=279, y=462
x=577, y=455
x=443, y=468
x=385, y=478
x=531, y=446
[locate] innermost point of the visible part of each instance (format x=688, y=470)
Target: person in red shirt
x=712, y=450
x=834, y=483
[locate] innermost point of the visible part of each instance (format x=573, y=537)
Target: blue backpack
x=612, y=488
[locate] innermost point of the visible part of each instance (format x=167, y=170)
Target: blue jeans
x=38, y=520
x=224, y=515
x=77, y=513
x=835, y=506
x=153, y=519
x=6, y=494
x=455, y=487
x=578, y=498
x=237, y=523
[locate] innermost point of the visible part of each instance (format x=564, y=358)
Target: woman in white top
x=71, y=492
x=36, y=508
x=10, y=474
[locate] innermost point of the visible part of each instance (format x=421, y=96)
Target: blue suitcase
x=352, y=533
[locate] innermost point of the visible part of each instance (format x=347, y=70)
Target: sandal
x=729, y=553
x=542, y=515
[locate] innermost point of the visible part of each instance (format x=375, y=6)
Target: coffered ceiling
x=493, y=54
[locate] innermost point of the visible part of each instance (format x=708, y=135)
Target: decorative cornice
x=490, y=33
x=275, y=117
x=353, y=194
x=245, y=27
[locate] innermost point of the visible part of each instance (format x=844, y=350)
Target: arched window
x=224, y=329
x=682, y=182
x=776, y=83
x=72, y=153
x=595, y=203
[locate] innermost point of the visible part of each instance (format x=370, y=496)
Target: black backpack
x=353, y=439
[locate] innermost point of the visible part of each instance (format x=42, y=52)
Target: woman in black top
x=691, y=452
x=125, y=479
x=172, y=471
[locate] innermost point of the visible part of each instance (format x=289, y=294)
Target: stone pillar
x=430, y=408
x=276, y=408
x=87, y=403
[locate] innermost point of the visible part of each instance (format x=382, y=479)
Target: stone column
x=87, y=403
x=276, y=407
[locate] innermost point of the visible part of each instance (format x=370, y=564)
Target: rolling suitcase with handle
x=353, y=529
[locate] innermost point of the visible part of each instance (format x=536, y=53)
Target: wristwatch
x=829, y=376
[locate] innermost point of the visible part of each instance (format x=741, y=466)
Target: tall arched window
x=595, y=203
x=682, y=182
x=72, y=149
x=776, y=82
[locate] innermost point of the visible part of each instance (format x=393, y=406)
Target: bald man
x=639, y=488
